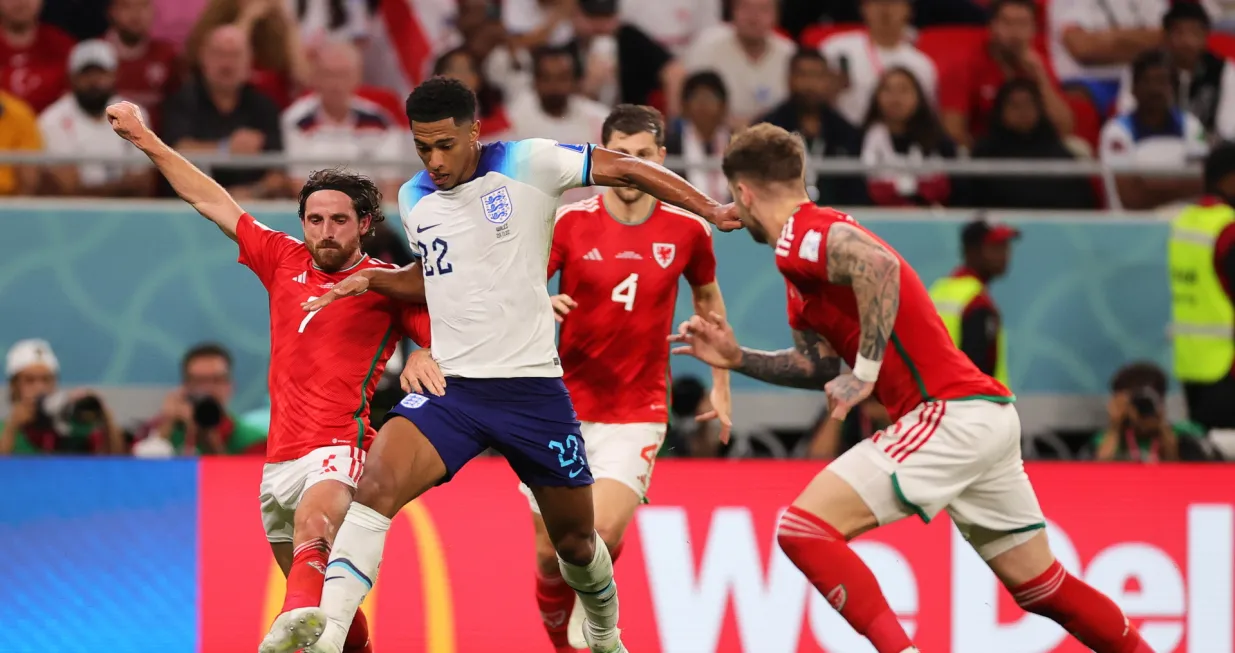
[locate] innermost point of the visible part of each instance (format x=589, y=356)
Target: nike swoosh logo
x=330, y=578
x=421, y=230
x=576, y=472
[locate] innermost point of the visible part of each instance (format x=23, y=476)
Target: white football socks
x=354, y=562
x=596, y=589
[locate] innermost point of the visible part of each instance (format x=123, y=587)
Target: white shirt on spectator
x=672, y=23
x=1224, y=114
x=1095, y=16
x=1123, y=143
x=754, y=87
x=368, y=134
x=315, y=24
x=580, y=124
x=523, y=16
x=866, y=62
x=67, y=129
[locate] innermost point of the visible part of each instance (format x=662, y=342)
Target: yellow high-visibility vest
x=1202, y=318
x=951, y=296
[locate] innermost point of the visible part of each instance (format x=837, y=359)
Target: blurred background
x=1056, y=170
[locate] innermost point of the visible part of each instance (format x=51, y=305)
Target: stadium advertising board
x=702, y=574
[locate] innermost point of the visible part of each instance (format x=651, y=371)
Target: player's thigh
x=326, y=498
x=998, y=513
x=567, y=513
x=424, y=443
x=278, y=494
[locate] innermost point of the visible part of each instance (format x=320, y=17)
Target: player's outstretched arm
x=191, y=184
x=857, y=260
x=809, y=364
x=611, y=168
x=405, y=284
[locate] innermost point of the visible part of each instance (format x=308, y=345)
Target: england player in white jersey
x=481, y=219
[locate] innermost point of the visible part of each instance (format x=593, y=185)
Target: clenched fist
x=126, y=119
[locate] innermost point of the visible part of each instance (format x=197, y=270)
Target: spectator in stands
x=83, y=20
x=1206, y=80
x=44, y=419
x=829, y=438
x=798, y=14
x=1020, y=129
x=334, y=124
x=702, y=132
x=1091, y=41
x=323, y=21
x=1157, y=133
x=968, y=88
x=674, y=24
x=687, y=436
x=902, y=129
x=1138, y=429
x=19, y=132
x=825, y=133
x=862, y=57
x=220, y=111
x=749, y=56
x=77, y=124
x=280, y=64
x=499, y=61
x=149, y=69
x=621, y=63
x=1201, y=260
x=535, y=24
x=195, y=417
x=556, y=109
x=33, y=55
x=460, y=64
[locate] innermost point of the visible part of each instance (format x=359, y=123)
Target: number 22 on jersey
x=440, y=265
x=624, y=293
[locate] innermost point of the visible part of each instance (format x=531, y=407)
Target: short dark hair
x=705, y=81
x=1184, y=10
x=539, y=55
x=1220, y=163
x=634, y=119
x=764, y=153
x=998, y=5
x=366, y=198
x=204, y=350
x=441, y=98
x=807, y=54
x=1148, y=60
x=1141, y=374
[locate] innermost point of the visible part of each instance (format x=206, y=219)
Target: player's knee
x=576, y=548
x=546, y=560
x=377, y=491
x=313, y=524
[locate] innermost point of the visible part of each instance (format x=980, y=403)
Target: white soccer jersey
x=484, y=245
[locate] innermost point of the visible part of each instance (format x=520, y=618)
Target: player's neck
x=628, y=213
x=780, y=208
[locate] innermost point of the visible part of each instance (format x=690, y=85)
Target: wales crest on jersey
x=497, y=205
x=663, y=253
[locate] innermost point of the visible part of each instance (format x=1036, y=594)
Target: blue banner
x=121, y=290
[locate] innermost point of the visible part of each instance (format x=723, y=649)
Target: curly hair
x=440, y=98
x=366, y=198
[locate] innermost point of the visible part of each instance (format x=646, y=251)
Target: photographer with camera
x=195, y=418
x=44, y=419
x=1138, y=429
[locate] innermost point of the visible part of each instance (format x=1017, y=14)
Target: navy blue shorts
x=530, y=421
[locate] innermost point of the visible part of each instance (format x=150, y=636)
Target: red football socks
x=1092, y=618
x=308, y=573
x=358, y=635
x=824, y=556
x=556, y=599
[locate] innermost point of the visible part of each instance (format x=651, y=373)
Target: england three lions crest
x=497, y=205
x=663, y=253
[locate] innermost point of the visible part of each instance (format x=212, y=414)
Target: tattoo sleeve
x=809, y=364
x=859, y=261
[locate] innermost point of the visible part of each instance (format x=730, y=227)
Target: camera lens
x=207, y=412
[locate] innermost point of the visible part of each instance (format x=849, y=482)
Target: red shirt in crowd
x=37, y=73
x=970, y=87
x=147, y=73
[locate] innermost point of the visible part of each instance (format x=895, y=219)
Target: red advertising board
x=701, y=572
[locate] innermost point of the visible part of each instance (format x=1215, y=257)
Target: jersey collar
x=363, y=258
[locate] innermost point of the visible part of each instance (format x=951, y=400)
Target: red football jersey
x=624, y=278
x=324, y=365
x=921, y=365
x=37, y=74
x=147, y=74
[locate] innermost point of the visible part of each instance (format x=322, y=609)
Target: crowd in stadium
x=1129, y=82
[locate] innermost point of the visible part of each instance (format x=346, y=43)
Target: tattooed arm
x=859, y=261
x=810, y=364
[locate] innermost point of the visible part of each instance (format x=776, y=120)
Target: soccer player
x=620, y=255
x=955, y=444
x=324, y=366
x=482, y=221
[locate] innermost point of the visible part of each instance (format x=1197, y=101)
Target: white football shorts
x=625, y=453
x=959, y=456
x=284, y=483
